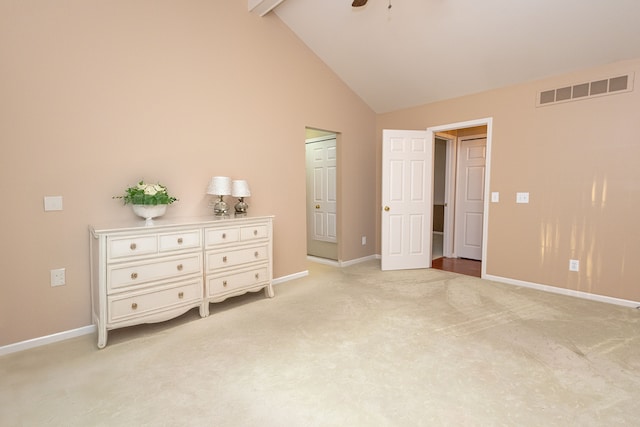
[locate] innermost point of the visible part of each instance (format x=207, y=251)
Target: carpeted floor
x=347, y=347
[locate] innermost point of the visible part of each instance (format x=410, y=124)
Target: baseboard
x=289, y=277
x=356, y=261
x=324, y=261
x=90, y=329
x=563, y=291
x=49, y=339
x=334, y=263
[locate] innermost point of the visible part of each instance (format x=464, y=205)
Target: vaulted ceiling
x=421, y=51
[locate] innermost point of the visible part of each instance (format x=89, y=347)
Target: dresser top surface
x=160, y=224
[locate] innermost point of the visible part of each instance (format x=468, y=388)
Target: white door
x=321, y=170
x=469, y=216
x=407, y=196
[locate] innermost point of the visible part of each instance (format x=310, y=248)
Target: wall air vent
x=586, y=90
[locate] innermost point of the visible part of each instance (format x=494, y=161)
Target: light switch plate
x=522, y=197
x=58, y=277
x=52, y=203
x=495, y=197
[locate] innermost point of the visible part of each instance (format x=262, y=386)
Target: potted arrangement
x=148, y=200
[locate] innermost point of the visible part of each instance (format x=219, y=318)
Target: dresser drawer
x=179, y=241
x=253, y=232
x=220, y=236
x=131, y=246
x=235, y=257
x=133, y=274
x=234, y=281
x=124, y=306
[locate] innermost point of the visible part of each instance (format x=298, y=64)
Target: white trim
x=49, y=339
x=488, y=122
x=357, y=261
x=289, y=277
x=333, y=263
x=90, y=329
x=324, y=261
x=326, y=137
x=564, y=291
x=450, y=189
x=262, y=7
x=451, y=143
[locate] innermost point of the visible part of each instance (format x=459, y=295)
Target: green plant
x=147, y=194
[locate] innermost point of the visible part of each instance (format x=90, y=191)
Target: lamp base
x=220, y=207
x=241, y=207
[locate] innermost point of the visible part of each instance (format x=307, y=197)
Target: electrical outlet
x=364, y=240
x=58, y=277
x=574, y=265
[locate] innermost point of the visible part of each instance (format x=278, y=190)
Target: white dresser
x=146, y=274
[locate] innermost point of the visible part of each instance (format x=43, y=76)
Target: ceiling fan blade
x=358, y=3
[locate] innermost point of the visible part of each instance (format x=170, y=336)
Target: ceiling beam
x=262, y=7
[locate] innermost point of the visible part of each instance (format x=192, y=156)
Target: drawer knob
x=180, y=295
x=224, y=258
x=179, y=240
x=255, y=232
x=224, y=283
x=256, y=254
x=257, y=275
x=134, y=306
x=224, y=235
x=133, y=246
x=134, y=276
x=179, y=267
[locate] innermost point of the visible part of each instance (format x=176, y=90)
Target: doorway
x=461, y=215
x=321, y=156
x=439, y=195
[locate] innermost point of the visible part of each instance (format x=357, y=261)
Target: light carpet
x=351, y=346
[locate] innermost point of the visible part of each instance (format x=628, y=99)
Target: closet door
x=472, y=155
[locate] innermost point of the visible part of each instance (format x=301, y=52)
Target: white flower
x=150, y=190
x=159, y=188
x=141, y=185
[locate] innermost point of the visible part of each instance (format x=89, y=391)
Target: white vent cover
x=608, y=86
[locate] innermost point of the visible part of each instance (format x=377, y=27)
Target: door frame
x=449, y=192
x=323, y=134
x=431, y=133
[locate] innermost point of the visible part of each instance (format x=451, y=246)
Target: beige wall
x=95, y=95
x=578, y=160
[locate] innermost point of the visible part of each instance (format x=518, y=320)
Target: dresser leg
x=268, y=291
x=102, y=337
x=204, y=309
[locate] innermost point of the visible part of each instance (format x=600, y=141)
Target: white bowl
x=148, y=212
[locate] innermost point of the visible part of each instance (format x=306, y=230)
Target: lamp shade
x=240, y=188
x=220, y=186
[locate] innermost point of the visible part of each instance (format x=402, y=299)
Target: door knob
x=317, y=206
x=387, y=208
